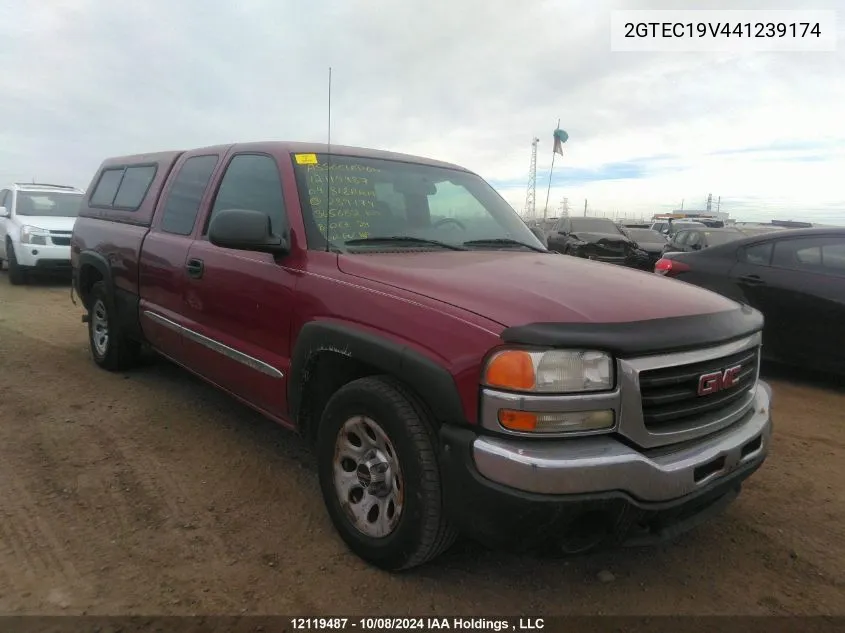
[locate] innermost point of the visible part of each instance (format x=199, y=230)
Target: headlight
x=552, y=371
x=33, y=235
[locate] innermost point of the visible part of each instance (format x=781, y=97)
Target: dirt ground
x=152, y=493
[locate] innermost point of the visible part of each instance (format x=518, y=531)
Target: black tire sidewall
x=17, y=275
x=401, y=544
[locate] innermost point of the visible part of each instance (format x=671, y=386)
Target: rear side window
x=123, y=187
x=252, y=182
x=812, y=254
x=183, y=201
x=106, y=189
x=133, y=187
x=759, y=254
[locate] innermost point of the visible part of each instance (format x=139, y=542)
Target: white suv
x=36, y=222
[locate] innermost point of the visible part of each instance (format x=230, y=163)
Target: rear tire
x=379, y=474
x=17, y=274
x=110, y=348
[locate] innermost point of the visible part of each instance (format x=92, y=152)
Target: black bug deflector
x=638, y=338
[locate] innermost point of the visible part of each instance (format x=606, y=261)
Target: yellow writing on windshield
x=339, y=167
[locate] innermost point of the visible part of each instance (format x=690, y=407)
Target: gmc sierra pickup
x=453, y=375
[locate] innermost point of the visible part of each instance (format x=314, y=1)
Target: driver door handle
x=195, y=267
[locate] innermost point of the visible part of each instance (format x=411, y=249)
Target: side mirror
x=4, y=212
x=246, y=230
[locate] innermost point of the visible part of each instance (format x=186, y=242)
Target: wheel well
x=88, y=276
x=325, y=373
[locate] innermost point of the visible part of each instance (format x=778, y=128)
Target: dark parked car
x=652, y=242
x=690, y=240
x=795, y=277
x=596, y=238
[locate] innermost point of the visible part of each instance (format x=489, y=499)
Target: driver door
x=238, y=303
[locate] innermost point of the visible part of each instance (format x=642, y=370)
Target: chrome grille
x=660, y=405
x=670, y=395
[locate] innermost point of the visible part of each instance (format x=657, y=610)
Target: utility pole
x=530, y=211
x=585, y=207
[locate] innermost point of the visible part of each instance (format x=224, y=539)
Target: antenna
x=329, y=165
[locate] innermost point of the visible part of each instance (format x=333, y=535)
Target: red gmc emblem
x=718, y=380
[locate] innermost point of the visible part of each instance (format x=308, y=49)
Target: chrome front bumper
x=602, y=463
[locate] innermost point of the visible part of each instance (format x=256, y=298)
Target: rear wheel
x=110, y=347
x=17, y=274
x=379, y=474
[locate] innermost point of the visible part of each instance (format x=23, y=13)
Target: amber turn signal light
x=512, y=369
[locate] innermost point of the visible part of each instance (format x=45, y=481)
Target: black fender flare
x=98, y=261
x=429, y=380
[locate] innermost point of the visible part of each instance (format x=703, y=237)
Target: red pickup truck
x=453, y=375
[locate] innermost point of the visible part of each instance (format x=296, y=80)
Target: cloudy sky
x=468, y=81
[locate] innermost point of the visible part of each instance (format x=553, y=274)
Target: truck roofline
x=285, y=147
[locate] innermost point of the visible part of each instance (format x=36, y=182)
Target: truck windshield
x=48, y=203
x=370, y=201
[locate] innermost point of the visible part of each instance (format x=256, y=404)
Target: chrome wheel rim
x=368, y=477
x=100, y=328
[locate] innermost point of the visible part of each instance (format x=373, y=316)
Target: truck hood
x=515, y=288
x=46, y=222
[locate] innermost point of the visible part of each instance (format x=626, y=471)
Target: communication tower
x=530, y=211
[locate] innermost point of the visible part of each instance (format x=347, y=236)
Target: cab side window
x=252, y=182
x=680, y=238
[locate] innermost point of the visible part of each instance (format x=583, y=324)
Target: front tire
x=17, y=274
x=379, y=474
x=110, y=348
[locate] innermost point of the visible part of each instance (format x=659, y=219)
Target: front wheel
x=17, y=274
x=379, y=474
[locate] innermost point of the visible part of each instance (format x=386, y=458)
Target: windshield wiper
x=503, y=240
x=400, y=239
